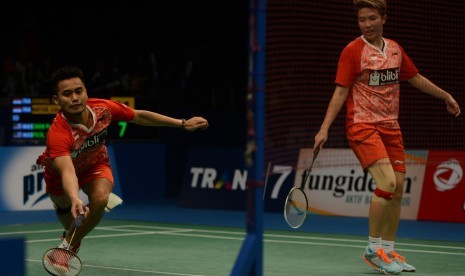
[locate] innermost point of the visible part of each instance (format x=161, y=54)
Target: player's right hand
x=78, y=208
x=320, y=139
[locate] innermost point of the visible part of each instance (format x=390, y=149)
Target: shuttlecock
x=113, y=201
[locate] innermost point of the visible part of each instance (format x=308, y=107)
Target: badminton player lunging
x=367, y=80
x=75, y=155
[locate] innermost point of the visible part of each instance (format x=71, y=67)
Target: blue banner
x=216, y=178
x=22, y=185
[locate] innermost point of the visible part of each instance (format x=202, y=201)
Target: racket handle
x=79, y=219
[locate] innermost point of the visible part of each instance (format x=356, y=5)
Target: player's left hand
x=196, y=123
x=452, y=106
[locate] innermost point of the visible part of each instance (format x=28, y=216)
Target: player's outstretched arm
x=149, y=118
x=425, y=85
x=64, y=166
x=335, y=105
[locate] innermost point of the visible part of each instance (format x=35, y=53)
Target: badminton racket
x=296, y=204
x=62, y=261
x=295, y=207
x=307, y=171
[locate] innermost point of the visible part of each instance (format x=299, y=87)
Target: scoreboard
x=30, y=119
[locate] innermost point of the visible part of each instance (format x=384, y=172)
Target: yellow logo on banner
x=45, y=109
x=129, y=101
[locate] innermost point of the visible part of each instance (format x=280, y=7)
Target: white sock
x=374, y=243
x=388, y=246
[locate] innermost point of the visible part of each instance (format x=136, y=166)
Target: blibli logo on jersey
x=384, y=77
x=91, y=142
x=207, y=178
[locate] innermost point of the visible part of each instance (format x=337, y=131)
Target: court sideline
x=163, y=239
x=147, y=248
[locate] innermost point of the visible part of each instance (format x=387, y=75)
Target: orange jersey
x=373, y=77
x=85, y=146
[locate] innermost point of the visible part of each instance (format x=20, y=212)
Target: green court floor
x=121, y=247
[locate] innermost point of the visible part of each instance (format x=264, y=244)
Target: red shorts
x=99, y=170
x=371, y=143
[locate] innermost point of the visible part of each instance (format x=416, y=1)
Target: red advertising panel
x=443, y=195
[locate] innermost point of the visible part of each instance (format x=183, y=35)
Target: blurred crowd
x=137, y=74
x=165, y=52
x=22, y=76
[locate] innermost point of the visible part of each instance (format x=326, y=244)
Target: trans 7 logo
x=283, y=172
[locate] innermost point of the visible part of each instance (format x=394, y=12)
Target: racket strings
x=296, y=208
x=294, y=215
x=61, y=262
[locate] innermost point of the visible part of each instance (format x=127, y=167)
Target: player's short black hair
x=65, y=73
x=379, y=5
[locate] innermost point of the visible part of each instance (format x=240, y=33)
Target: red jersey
x=373, y=76
x=86, y=146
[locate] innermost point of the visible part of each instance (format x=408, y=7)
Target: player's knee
x=387, y=184
x=384, y=194
x=62, y=211
x=382, y=197
x=99, y=201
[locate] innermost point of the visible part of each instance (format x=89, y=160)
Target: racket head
x=61, y=262
x=295, y=207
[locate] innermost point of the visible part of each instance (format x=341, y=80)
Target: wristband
x=183, y=124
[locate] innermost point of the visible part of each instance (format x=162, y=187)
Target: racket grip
x=79, y=219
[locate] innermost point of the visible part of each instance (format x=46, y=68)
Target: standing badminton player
x=367, y=80
x=75, y=155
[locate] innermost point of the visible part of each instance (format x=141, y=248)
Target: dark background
x=184, y=53
x=186, y=58
x=304, y=41
x=179, y=58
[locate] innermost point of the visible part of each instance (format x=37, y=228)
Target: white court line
x=106, y=228
x=30, y=232
x=311, y=243
x=299, y=237
x=361, y=246
x=183, y=232
x=131, y=270
x=112, y=235
x=109, y=228
x=192, y=229
x=360, y=241
x=117, y=228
